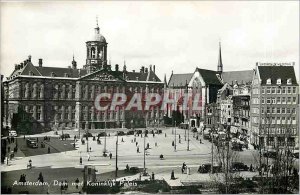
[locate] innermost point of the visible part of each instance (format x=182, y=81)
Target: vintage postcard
x=149, y=97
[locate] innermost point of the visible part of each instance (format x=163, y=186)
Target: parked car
x=237, y=146
x=130, y=132
x=12, y=133
x=270, y=154
x=120, y=133
x=207, y=136
x=31, y=143
x=206, y=168
x=139, y=131
x=239, y=166
x=102, y=134
x=87, y=135
x=134, y=170
x=65, y=135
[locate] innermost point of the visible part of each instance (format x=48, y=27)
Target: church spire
x=220, y=64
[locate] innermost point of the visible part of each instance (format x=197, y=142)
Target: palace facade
x=41, y=98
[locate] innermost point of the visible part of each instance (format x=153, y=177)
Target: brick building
x=274, y=106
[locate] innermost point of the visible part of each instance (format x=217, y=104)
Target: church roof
x=209, y=76
x=244, y=76
x=180, y=80
x=60, y=72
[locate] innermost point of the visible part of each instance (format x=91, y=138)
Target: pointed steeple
x=220, y=64
x=74, y=63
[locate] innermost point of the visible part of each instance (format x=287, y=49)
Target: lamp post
x=116, y=174
x=145, y=173
x=175, y=138
x=104, y=150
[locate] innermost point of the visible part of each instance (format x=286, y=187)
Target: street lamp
x=104, y=150
x=117, y=154
x=175, y=137
x=145, y=173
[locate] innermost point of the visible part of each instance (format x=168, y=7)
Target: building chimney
x=146, y=70
x=142, y=69
x=25, y=62
x=21, y=65
x=154, y=68
x=117, y=67
x=74, y=64
x=29, y=58
x=16, y=66
x=150, y=68
x=133, y=70
x=40, y=62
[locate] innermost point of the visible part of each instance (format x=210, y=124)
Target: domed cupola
x=96, y=52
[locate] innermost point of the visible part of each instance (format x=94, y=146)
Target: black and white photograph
x=149, y=97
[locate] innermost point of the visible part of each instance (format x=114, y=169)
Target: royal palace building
x=41, y=98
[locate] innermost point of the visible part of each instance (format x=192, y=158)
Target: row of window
x=279, y=100
x=292, y=131
x=275, y=120
x=274, y=110
x=277, y=90
x=279, y=81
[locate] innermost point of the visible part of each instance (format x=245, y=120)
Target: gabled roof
x=180, y=80
x=244, y=76
x=275, y=72
x=209, y=76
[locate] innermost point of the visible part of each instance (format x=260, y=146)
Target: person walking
x=110, y=155
x=89, y=156
x=172, y=175
x=77, y=181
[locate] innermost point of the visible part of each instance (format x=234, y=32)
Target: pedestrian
x=155, y=144
x=172, y=175
x=48, y=149
x=251, y=168
x=197, y=137
x=110, y=155
x=153, y=176
x=138, y=150
x=122, y=139
x=90, y=149
x=179, y=140
x=200, y=141
x=153, y=135
x=165, y=134
x=136, y=143
x=179, y=136
x=134, y=139
x=173, y=143
x=127, y=167
x=80, y=160
x=77, y=181
x=41, y=178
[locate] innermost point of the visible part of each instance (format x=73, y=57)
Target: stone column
x=78, y=91
x=78, y=110
x=34, y=95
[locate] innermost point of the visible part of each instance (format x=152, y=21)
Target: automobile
x=65, y=135
x=12, y=133
x=31, y=143
x=270, y=154
x=130, y=133
x=102, y=134
x=139, y=131
x=194, y=130
x=159, y=131
x=87, y=135
x=238, y=166
x=134, y=170
x=296, y=155
x=207, y=136
x=206, y=168
x=237, y=146
x=120, y=133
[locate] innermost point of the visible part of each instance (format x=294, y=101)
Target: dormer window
x=278, y=81
x=31, y=73
x=289, y=81
x=52, y=74
x=269, y=81
x=66, y=75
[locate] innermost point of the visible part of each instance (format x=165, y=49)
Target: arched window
x=93, y=52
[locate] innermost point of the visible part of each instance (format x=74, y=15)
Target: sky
x=175, y=35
